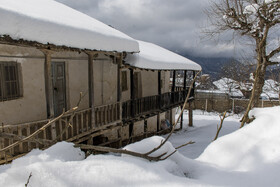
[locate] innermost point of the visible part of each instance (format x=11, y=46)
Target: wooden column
x=159, y=100
x=190, y=115
x=91, y=86
x=49, y=89
x=185, y=77
x=48, y=83
x=182, y=119
x=185, y=95
x=132, y=94
x=119, y=62
x=193, y=84
x=132, y=97
x=172, y=94
x=173, y=81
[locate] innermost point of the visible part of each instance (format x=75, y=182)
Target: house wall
x=76, y=71
x=32, y=106
x=126, y=93
x=149, y=83
x=105, y=81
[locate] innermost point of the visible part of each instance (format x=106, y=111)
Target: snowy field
x=240, y=157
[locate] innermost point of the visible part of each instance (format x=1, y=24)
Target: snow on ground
x=247, y=157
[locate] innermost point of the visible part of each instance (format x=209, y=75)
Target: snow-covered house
x=52, y=57
x=147, y=98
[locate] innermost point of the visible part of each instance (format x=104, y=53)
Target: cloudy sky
x=174, y=24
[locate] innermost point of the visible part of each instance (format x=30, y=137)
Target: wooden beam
x=48, y=83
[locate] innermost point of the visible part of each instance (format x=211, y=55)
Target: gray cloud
x=176, y=25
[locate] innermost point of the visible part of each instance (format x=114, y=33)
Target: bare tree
x=257, y=20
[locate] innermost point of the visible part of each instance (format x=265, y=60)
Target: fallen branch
x=123, y=151
x=188, y=143
x=26, y=184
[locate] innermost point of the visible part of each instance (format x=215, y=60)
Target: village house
x=51, y=63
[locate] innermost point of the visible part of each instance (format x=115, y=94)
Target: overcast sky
x=174, y=24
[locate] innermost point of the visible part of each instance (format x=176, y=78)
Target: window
x=9, y=81
x=124, y=81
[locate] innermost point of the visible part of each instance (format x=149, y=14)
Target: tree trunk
x=258, y=84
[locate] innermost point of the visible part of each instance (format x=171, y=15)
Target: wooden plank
x=28, y=133
x=82, y=122
x=87, y=119
x=67, y=128
x=60, y=129
x=77, y=124
x=72, y=127
x=20, y=134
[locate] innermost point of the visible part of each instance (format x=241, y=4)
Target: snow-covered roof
x=154, y=57
x=47, y=21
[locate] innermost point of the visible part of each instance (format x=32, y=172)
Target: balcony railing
x=58, y=131
x=150, y=104
x=107, y=114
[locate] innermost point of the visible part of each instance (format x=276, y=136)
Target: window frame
x=10, y=81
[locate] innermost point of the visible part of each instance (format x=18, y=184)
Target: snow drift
x=248, y=157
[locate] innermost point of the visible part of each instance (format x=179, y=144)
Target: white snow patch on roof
x=47, y=21
x=152, y=56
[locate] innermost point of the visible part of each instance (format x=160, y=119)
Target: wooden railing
x=9, y=134
x=150, y=104
x=107, y=114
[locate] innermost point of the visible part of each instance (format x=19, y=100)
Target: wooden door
x=59, y=87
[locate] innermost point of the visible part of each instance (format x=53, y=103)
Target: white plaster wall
x=165, y=76
x=149, y=83
x=32, y=106
x=152, y=124
x=105, y=81
x=138, y=128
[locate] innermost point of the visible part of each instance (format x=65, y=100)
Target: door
x=59, y=87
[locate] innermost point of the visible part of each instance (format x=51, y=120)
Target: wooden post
x=159, y=100
x=185, y=77
x=173, y=81
x=193, y=84
x=182, y=118
x=48, y=83
x=190, y=115
x=119, y=96
x=132, y=95
x=91, y=87
x=159, y=89
x=49, y=89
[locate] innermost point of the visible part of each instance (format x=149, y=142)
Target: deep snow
x=247, y=157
